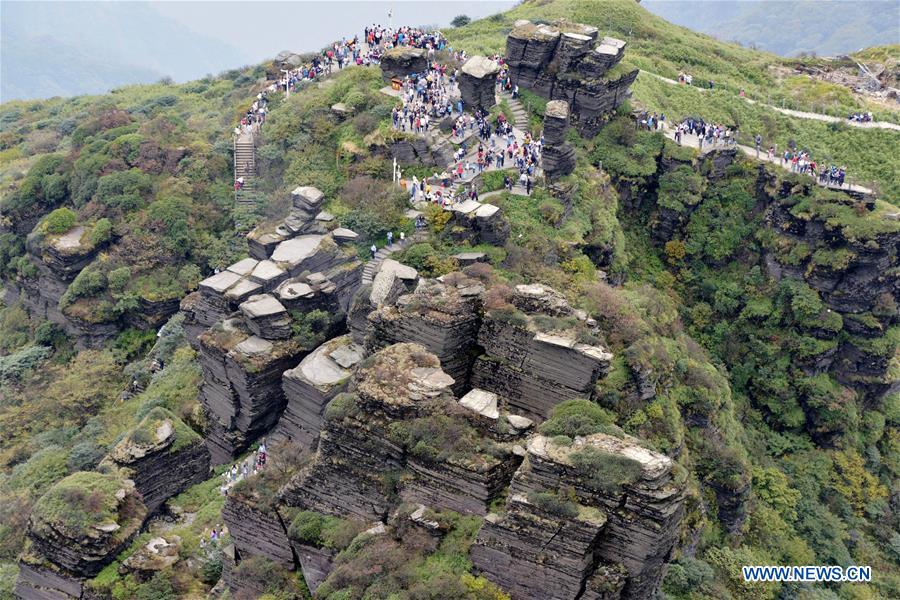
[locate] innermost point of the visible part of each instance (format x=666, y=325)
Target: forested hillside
x=732, y=326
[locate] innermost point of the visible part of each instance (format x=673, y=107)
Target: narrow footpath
x=791, y=113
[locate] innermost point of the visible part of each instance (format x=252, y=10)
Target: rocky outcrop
x=477, y=81
x=599, y=514
x=399, y=416
x=311, y=385
x=563, y=61
x=76, y=528
x=558, y=157
x=403, y=60
x=442, y=317
x=479, y=223
x=163, y=457
x=531, y=369
x=242, y=384
x=257, y=529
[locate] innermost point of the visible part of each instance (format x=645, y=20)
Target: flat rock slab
x=293, y=290
x=342, y=234
x=310, y=195
x=220, y=282
x=480, y=67
x=70, y=240
x=558, y=109
x=262, y=305
x=399, y=270
x=266, y=270
x=244, y=267
x=296, y=250
x=243, y=289
x=486, y=210
x=466, y=206
x=320, y=369
x=325, y=217
x=482, y=402
x=347, y=356
x=519, y=422
x=254, y=345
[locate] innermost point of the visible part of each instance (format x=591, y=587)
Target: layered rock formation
x=399, y=416
x=564, y=62
x=534, y=370
x=852, y=270
x=558, y=157
x=442, y=317
x=477, y=81
x=58, y=259
x=598, y=516
x=163, y=457
x=76, y=529
x=479, y=223
x=403, y=60
x=308, y=388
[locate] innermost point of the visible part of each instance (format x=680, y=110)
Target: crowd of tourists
x=251, y=465
x=426, y=98
x=861, y=117
x=707, y=133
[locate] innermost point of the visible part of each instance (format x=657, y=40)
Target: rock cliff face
x=244, y=354
x=558, y=159
x=257, y=530
x=400, y=416
x=58, y=260
x=599, y=514
x=479, y=223
x=76, y=529
x=533, y=370
x=163, y=457
x=564, y=62
x=309, y=387
x=477, y=80
x=441, y=317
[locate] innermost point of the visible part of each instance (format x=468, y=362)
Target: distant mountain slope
x=788, y=28
x=44, y=52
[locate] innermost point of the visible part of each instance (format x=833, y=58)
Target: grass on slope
x=869, y=154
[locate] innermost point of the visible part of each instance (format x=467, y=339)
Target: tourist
x=374, y=251
x=390, y=238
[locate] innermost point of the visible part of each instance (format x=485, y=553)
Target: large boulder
x=477, y=81
x=402, y=61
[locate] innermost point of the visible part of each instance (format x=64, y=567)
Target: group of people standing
x=707, y=133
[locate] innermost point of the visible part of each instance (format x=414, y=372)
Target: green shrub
x=60, y=220
x=578, y=417
x=555, y=504
x=102, y=232
x=118, y=279
x=604, y=471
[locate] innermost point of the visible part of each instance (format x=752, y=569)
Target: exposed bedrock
x=308, y=388
x=443, y=318
x=477, y=80
x=403, y=60
x=564, y=62
x=558, y=158
x=399, y=432
x=534, y=371
x=70, y=540
x=257, y=530
x=600, y=513
x=163, y=457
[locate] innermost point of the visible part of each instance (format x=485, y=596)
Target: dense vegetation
x=711, y=354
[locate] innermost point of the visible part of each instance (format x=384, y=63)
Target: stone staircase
x=371, y=267
x=245, y=166
x=520, y=116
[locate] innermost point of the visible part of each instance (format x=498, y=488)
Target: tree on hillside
x=460, y=21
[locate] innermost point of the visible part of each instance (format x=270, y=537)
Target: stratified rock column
x=477, y=81
x=558, y=156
